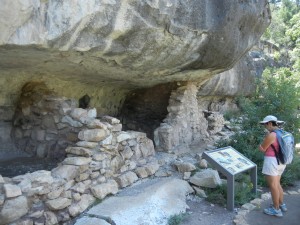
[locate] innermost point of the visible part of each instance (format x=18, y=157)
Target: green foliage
x=294, y=30
x=284, y=26
x=292, y=172
x=243, y=192
x=277, y=56
x=295, y=58
x=275, y=32
x=277, y=94
x=287, y=10
x=176, y=219
x=217, y=195
x=231, y=114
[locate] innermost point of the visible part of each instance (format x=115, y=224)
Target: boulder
x=102, y=190
x=93, y=135
x=58, y=203
x=78, y=207
x=206, y=178
x=13, y=209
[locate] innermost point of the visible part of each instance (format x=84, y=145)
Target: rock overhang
x=125, y=44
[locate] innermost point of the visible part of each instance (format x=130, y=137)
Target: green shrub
x=217, y=195
x=231, y=114
x=292, y=172
x=276, y=56
x=277, y=94
x=176, y=219
x=243, y=192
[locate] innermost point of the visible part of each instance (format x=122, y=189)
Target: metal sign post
x=230, y=162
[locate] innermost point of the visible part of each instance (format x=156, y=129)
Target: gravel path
x=206, y=213
x=202, y=212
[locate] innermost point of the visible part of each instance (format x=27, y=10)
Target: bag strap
x=276, y=154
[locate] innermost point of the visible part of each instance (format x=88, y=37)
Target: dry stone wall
x=184, y=124
x=221, y=104
x=188, y=122
x=42, y=125
x=103, y=160
x=215, y=121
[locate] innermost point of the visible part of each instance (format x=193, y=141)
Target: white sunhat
x=271, y=118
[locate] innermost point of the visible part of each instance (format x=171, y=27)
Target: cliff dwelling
x=91, y=91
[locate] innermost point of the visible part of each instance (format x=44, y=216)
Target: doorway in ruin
x=145, y=109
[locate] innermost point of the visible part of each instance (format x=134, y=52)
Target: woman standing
x=272, y=169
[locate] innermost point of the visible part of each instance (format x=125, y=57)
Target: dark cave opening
x=144, y=109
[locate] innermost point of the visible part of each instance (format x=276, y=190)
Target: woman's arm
x=269, y=139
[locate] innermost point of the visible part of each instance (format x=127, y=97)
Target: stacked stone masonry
x=215, y=121
x=42, y=126
x=97, y=157
x=183, y=123
x=186, y=123
x=104, y=160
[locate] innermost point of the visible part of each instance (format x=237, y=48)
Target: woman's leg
x=273, y=183
x=280, y=191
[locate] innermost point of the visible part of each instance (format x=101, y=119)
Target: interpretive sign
x=231, y=162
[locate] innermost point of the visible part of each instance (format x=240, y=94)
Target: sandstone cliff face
x=238, y=80
x=108, y=44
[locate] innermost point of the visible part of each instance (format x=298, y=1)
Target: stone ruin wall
x=41, y=125
x=98, y=157
x=107, y=101
x=183, y=122
x=101, y=160
x=188, y=122
x=42, y=128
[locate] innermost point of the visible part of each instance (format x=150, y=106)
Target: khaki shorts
x=271, y=167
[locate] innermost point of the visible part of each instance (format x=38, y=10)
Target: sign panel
x=230, y=159
x=230, y=162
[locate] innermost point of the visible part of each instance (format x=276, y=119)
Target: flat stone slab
x=91, y=221
x=150, y=202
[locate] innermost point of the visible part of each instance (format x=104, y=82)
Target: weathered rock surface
x=218, y=93
x=13, y=209
x=206, y=178
x=151, y=205
x=238, y=80
x=140, y=43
